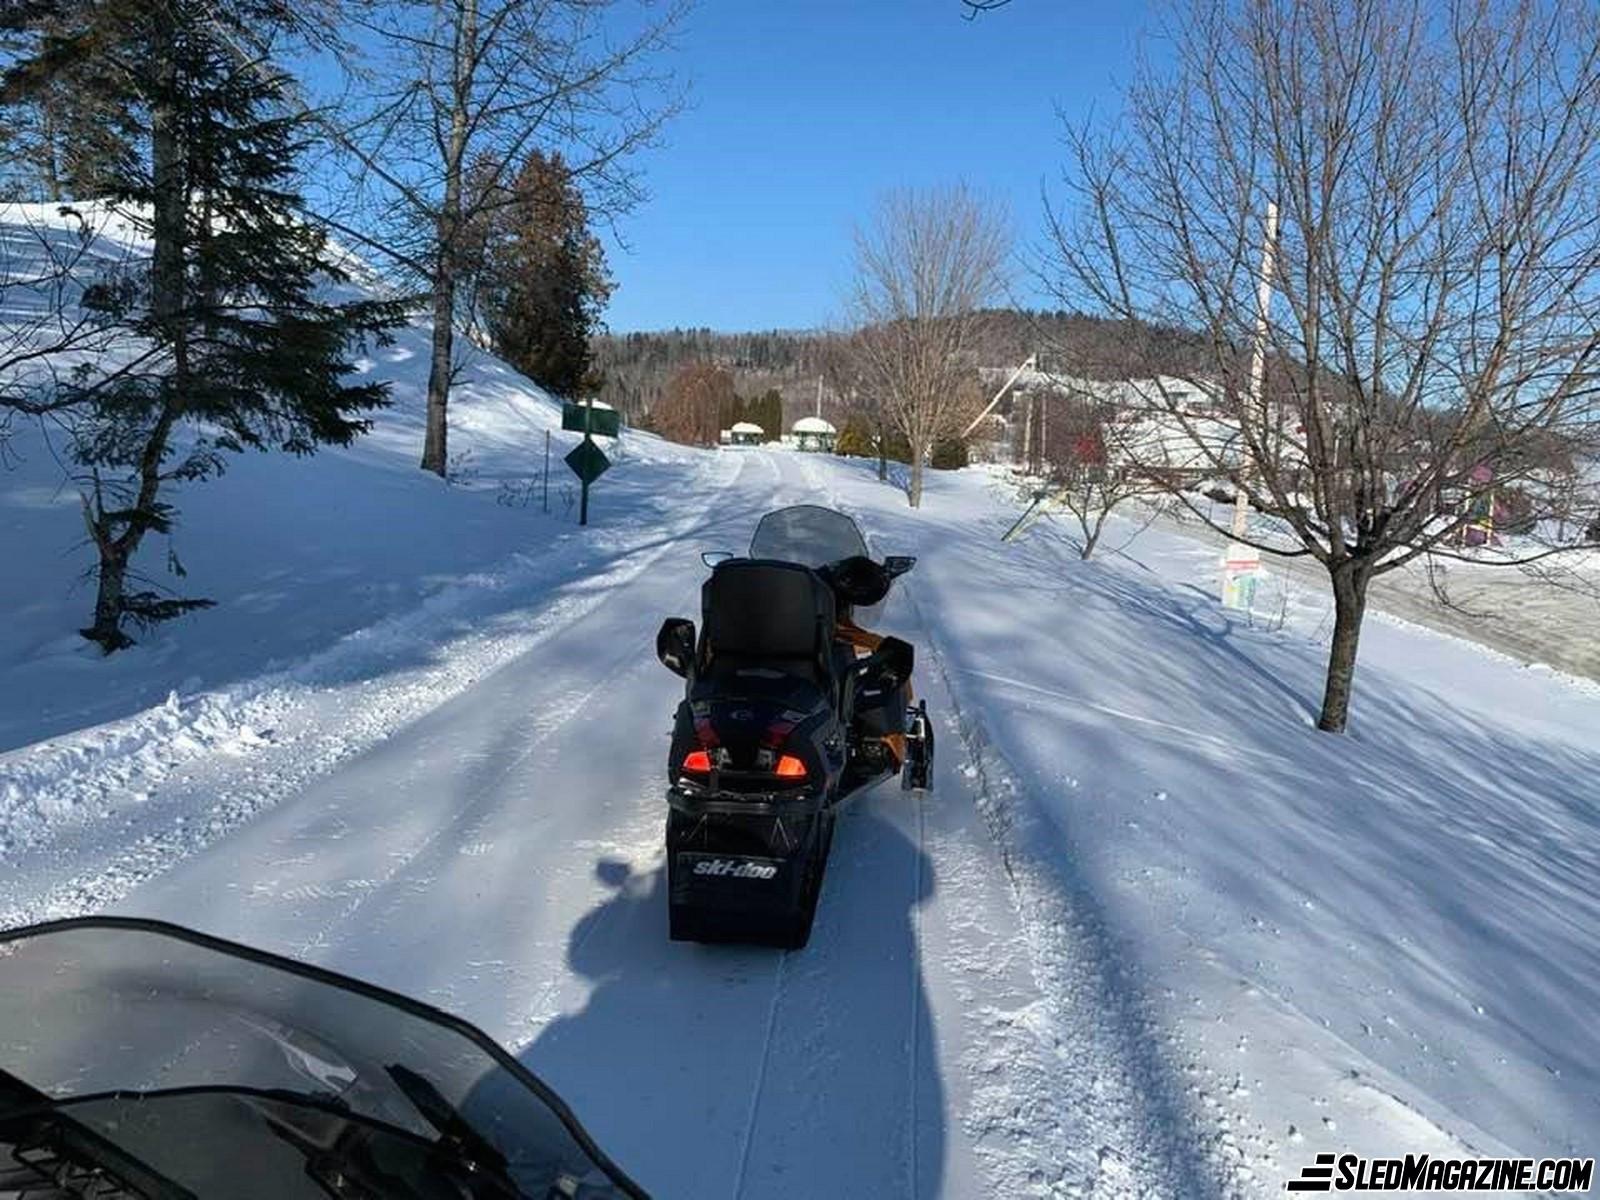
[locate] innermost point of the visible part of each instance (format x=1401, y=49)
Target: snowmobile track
x=761, y=1073
x=474, y=815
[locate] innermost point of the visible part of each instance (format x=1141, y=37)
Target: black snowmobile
x=790, y=707
x=143, y=1061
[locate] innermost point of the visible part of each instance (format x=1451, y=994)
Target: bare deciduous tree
x=925, y=268
x=463, y=91
x=1437, y=313
x=1085, y=479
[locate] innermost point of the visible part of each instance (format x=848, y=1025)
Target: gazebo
x=814, y=434
x=747, y=433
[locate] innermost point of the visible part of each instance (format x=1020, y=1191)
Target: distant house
x=747, y=433
x=814, y=434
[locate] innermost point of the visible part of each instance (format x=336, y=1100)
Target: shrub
x=949, y=454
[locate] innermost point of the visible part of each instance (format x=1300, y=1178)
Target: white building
x=815, y=434
x=1177, y=427
x=747, y=433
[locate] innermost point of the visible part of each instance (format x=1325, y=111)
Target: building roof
x=813, y=425
x=746, y=427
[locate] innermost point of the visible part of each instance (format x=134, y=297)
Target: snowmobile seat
x=763, y=615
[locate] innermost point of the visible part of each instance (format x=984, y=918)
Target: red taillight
x=697, y=760
x=790, y=767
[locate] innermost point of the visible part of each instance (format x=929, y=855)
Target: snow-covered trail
x=500, y=856
x=1148, y=935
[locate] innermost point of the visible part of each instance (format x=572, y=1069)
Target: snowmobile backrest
x=764, y=609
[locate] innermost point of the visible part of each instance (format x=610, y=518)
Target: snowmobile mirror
x=675, y=645
x=898, y=564
x=713, y=558
x=891, y=663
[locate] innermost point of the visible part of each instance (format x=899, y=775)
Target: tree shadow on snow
x=1438, y=825
x=748, y=1071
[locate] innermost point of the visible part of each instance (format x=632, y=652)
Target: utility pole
x=1258, y=364
x=1027, y=363
x=1243, y=563
x=1028, y=403
x=1044, y=433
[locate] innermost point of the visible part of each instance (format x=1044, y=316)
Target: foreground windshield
x=214, y=1071
x=807, y=534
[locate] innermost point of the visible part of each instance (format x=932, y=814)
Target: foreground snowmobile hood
x=184, y=1066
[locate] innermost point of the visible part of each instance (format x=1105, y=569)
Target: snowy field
x=1149, y=934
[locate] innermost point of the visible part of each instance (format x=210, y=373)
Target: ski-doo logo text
x=1424, y=1173
x=730, y=869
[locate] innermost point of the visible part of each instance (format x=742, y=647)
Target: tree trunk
x=883, y=452
x=50, y=135
x=107, y=628
x=169, y=188
x=434, y=446
x=914, y=492
x=1349, y=607
x=169, y=201
x=1091, y=537
x=448, y=226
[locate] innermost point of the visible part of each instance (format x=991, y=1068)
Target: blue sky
x=803, y=111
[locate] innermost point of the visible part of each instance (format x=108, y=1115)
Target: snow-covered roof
x=746, y=427
x=813, y=425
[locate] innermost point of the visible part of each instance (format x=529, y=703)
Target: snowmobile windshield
x=807, y=534
x=173, y=1065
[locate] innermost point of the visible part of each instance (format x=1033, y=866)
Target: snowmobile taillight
x=790, y=767
x=698, y=761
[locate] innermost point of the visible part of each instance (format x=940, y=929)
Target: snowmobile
x=144, y=1061
x=790, y=707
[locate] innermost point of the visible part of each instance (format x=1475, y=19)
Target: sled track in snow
x=795, y=1009
x=469, y=818
x=761, y=1075
x=915, y=997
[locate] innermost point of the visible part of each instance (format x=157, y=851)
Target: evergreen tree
x=63, y=130
x=767, y=411
x=237, y=349
x=856, y=439
x=948, y=454
x=545, y=282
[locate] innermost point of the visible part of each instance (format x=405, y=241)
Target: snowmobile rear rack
x=699, y=802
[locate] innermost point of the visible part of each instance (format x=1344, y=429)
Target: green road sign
x=588, y=462
x=603, y=422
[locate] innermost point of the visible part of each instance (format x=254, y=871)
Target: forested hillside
x=636, y=368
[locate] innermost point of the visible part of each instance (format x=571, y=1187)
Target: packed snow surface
x=1149, y=933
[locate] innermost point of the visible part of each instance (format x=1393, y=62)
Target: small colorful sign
x=1241, y=570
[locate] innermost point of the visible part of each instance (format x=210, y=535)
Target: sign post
x=588, y=461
